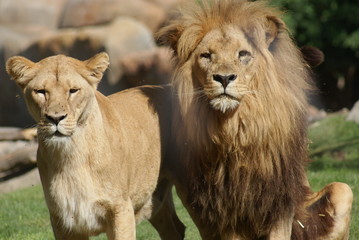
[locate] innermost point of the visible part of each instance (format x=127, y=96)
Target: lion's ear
x=273, y=27
x=97, y=65
x=169, y=36
x=21, y=70
x=312, y=55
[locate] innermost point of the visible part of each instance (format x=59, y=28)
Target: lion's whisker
x=202, y=96
x=34, y=126
x=194, y=92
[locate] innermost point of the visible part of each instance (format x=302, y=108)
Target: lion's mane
x=246, y=167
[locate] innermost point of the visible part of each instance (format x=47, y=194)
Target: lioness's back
x=156, y=111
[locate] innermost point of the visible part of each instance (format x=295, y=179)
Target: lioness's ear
x=169, y=36
x=97, y=66
x=273, y=26
x=21, y=70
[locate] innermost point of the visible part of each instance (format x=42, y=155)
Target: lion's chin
x=224, y=103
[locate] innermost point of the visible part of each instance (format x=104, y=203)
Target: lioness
x=98, y=157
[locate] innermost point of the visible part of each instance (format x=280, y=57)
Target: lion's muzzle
x=224, y=79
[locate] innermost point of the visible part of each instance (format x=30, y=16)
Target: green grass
x=335, y=158
x=335, y=154
x=23, y=215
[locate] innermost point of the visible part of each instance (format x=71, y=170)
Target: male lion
x=240, y=127
x=98, y=157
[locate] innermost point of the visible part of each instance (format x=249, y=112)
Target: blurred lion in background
x=240, y=141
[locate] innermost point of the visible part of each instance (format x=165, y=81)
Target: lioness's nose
x=224, y=79
x=55, y=119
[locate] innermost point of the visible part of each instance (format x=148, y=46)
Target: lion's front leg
x=122, y=223
x=328, y=214
x=206, y=231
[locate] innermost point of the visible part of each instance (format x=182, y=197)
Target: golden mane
x=246, y=167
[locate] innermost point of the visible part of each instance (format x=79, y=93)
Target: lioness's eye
x=73, y=90
x=40, y=91
x=244, y=53
x=205, y=55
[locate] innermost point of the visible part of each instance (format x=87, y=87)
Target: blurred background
x=333, y=27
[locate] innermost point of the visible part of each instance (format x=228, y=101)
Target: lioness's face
x=57, y=98
x=59, y=91
x=223, y=66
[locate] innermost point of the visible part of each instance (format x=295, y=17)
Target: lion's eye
x=40, y=91
x=244, y=53
x=205, y=55
x=74, y=90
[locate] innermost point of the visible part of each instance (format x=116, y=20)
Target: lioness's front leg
x=62, y=233
x=122, y=223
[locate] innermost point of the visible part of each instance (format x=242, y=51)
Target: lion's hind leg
x=326, y=215
x=164, y=218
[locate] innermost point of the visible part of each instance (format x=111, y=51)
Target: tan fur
x=240, y=125
x=99, y=157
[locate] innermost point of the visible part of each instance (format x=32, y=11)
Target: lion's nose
x=224, y=79
x=56, y=119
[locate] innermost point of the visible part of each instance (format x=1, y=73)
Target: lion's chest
x=74, y=199
x=235, y=195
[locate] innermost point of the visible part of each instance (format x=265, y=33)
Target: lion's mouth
x=226, y=96
x=59, y=134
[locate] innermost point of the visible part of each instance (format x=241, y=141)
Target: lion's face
x=59, y=91
x=224, y=67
